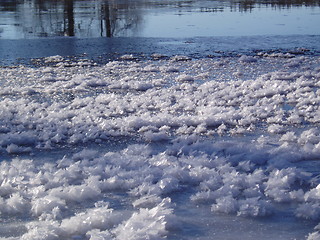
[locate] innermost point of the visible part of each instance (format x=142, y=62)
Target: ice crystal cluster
x=122, y=150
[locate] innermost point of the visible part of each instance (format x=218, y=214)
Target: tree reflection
x=69, y=17
x=82, y=18
x=119, y=18
x=248, y=5
x=8, y=5
x=109, y=18
x=106, y=17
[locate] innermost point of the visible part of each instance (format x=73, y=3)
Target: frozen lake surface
x=210, y=137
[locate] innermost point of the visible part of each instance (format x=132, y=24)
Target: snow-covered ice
x=165, y=148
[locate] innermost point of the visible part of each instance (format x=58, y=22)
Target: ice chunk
x=46, y=205
x=314, y=236
x=147, y=223
x=96, y=234
x=276, y=128
x=254, y=207
x=180, y=58
x=289, y=137
x=17, y=204
x=184, y=78
x=156, y=137
x=128, y=57
x=309, y=211
x=309, y=136
x=14, y=149
x=313, y=194
x=148, y=201
x=169, y=69
x=225, y=204
x=247, y=59
x=101, y=217
x=53, y=59
x=46, y=230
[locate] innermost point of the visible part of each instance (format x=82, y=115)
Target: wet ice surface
x=162, y=147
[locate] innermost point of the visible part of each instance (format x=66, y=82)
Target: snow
x=123, y=150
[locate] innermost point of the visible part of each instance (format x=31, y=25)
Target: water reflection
x=112, y=18
x=45, y=18
x=248, y=5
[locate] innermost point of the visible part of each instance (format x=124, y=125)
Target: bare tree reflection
x=248, y=5
x=87, y=18
x=8, y=5
x=118, y=18
x=106, y=17
x=110, y=18
x=69, y=17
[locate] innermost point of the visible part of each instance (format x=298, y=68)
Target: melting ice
x=173, y=148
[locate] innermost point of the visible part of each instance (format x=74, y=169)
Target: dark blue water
x=101, y=50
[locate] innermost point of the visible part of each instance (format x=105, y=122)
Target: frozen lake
x=159, y=120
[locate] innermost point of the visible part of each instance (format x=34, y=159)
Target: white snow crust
x=237, y=135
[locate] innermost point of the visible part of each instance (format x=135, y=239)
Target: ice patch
x=238, y=144
x=247, y=59
x=53, y=59
x=184, y=78
x=147, y=223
